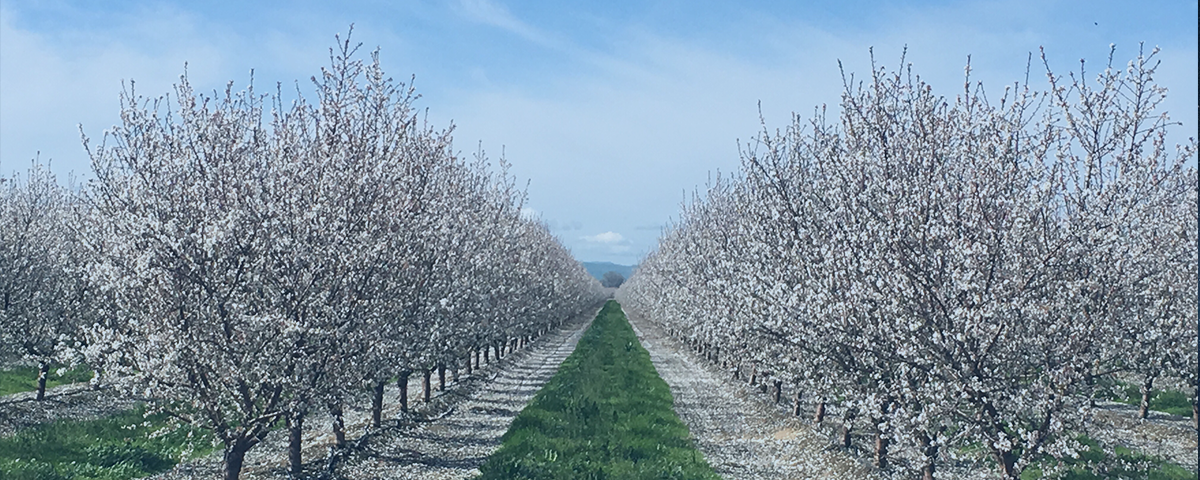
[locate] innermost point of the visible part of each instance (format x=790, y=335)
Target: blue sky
x=612, y=110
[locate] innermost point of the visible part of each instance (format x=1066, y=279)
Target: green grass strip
x=1094, y=463
x=122, y=446
x=24, y=379
x=606, y=414
x=1166, y=401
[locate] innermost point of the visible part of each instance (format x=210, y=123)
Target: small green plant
x=122, y=446
x=606, y=414
x=24, y=379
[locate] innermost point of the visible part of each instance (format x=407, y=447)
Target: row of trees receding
x=947, y=275
x=247, y=262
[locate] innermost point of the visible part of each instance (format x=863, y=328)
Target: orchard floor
x=447, y=438
x=743, y=435
x=76, y=401
x=737, y=428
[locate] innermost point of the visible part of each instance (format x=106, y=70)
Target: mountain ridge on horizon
x=598, y=269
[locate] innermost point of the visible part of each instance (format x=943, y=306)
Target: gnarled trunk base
x=43, y=372
x=339, y=426
x=295, y=442
x=402, y=384
x=234, y=458
x=377, y=405
x=1147, y=388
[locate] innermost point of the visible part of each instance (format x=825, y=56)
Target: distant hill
x=598, y=269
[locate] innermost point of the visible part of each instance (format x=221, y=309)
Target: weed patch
x=24, y=379
x=606, y=414
x=1096, y=464
x=126, y=445
x=1166, y=401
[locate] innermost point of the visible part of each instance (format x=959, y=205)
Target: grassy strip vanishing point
x=606, y=414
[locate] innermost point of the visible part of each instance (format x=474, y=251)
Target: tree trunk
x=469, y=367
x=1007, y=461
x=476, y=355
x=43, y=371
x=441, y=378
x=881, y=450
x=425, y=387
x=339, y=426
x=485, y=355
x=736, y=370
x=845, y=437
x=820, y=415
x=778, y=391
x=930, y=459
x=754, y=376
x=454, y=374
x=1195, y=416
x=796, y=403
x=1147, y=387
x=235, y=456
x=402, y=383
x=881, y=439
x=295, y=441
x=377, y=405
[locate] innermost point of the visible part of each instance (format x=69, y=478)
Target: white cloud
x=606, y=237
x=496, y=15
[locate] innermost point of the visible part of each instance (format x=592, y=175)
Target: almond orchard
x=248, y=262
x=951, y=276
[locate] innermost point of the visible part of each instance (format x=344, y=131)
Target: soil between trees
x=744, y=436
x=741, y=437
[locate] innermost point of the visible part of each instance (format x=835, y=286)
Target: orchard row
x=949, y=275
x=246, y=262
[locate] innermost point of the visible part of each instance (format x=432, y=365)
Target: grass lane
x=118, y=447
x=24, y=379
x=606, y=414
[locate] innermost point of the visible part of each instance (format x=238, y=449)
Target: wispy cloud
x=606, y=237
x=491, y=13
